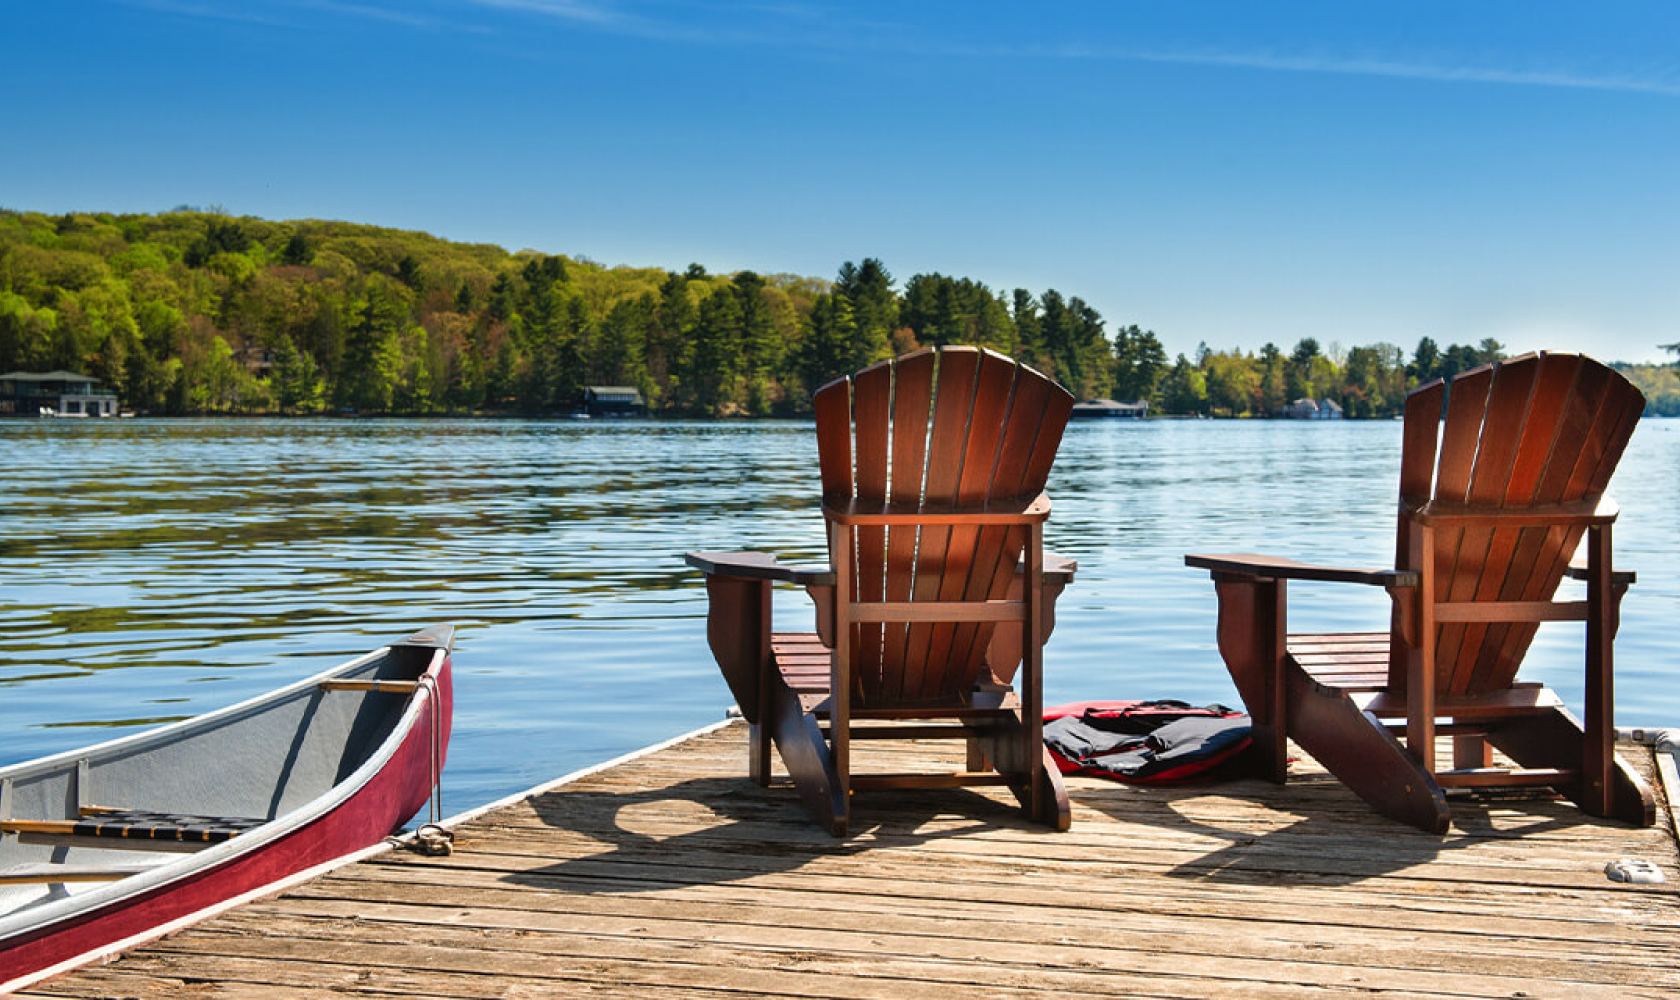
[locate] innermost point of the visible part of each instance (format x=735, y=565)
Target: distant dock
x=669, y=874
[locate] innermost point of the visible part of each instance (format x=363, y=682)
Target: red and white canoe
x=101, y=846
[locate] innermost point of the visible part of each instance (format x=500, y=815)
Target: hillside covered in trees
x=199, y=312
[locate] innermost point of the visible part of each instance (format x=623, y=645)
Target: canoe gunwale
x=210, y=720
x=31, y=922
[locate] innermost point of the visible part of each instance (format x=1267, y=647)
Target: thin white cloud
x=575, y=11
x=293, y=13
x=205, y=10
x=1664, y=84
x=373, y=12
x=620, y=19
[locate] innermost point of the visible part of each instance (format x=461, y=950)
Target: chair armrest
x=1009, y=511
x=758, y=566
x=1057, y=569
x=1618, y=577
x=1579, y=513
x=1279, y=568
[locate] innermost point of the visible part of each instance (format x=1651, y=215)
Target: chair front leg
x=1252, y=631
x=1420, y=654
x=738, y=632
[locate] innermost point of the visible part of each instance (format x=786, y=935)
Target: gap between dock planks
x=666, y=872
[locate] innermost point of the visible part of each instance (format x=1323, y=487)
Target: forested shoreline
x=195, y=312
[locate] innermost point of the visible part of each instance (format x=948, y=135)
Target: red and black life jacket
x=1144, y=742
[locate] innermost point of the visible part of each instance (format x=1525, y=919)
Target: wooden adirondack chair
x=933, y=468
x=1485, y=536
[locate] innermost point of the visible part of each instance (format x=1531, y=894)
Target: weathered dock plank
x=671, y=875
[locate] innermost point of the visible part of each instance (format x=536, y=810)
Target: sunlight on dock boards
x=673, y=875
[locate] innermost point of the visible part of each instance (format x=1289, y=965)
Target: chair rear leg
x=1055, y=810
x=1554, y=738
x=1471, y=750
x=758, y=753
x=1362, y=755
x=1002, y=742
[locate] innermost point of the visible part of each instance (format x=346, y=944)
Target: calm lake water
x=153, y=570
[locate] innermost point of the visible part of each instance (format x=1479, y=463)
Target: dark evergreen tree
x=1140, y=362
x=298, y=251
x=408, y=272
x=1426, y=361
x=713, y=371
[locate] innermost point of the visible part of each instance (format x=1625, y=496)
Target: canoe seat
x=139, y=824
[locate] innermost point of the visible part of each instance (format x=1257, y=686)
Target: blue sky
x=1222, y=172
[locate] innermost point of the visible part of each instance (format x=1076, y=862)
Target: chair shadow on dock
x=709, y=830
x=1328, y=839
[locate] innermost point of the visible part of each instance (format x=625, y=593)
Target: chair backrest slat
x=832, y=406
x=1535, y=430
x=1418, y=439
x=871, y=420
x=955, y=424
x=1419, y=436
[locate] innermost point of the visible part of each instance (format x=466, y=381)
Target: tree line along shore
x=199, y=312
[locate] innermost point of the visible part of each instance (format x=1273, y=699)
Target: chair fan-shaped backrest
x=938, y=426
x=1535, y=430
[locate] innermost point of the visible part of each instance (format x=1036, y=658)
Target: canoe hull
x=398, y=790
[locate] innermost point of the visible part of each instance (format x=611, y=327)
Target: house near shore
x=1110, y=408
x=613, y=401
x=54, y=394
x=1309, y=409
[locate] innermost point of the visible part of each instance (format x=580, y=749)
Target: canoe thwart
x=139, y=824
x=55, y=873
x=379, y=686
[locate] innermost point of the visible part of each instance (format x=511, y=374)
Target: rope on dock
x=432, y=839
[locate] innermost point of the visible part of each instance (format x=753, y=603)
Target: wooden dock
x=672, y=875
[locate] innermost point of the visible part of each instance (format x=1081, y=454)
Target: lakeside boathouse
x=1311, y=409
x=54, y=394
x=613, y=401
x=1111, y=408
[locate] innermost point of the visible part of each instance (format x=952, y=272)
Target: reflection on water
x=154, y=570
